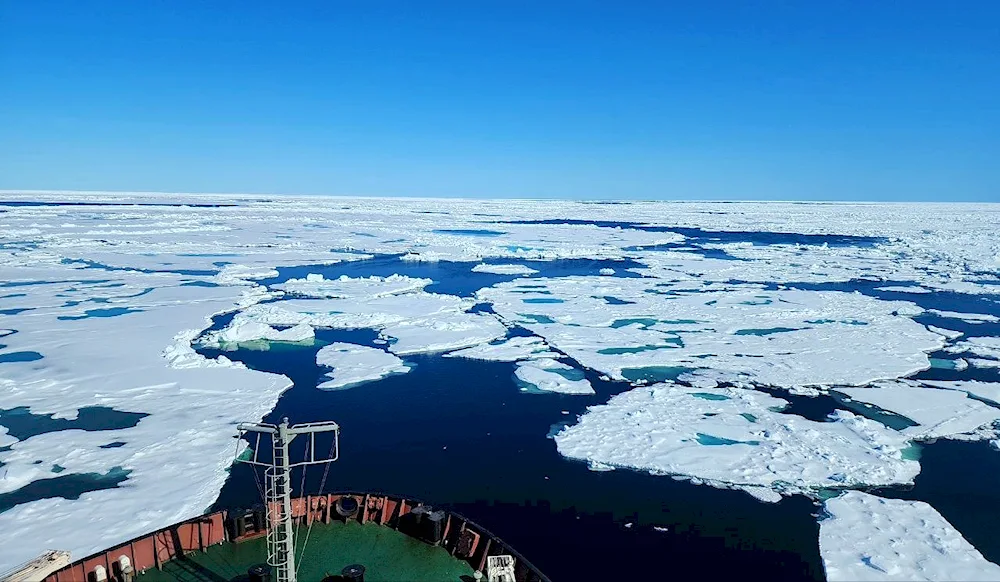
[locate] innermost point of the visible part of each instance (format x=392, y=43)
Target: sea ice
x=242, y=329
x=870, y=538
x=939, y=413
x=724, y=309
x=360, y=288
x=243, y=274
x=443, y=333
x=509, y=350
x=984, y=363
x=550, y=376
x=948, y=333
x=784, y=338
x=986, y=390
x=419, y=322
x=984, y=347
x=148, y=367
x=504, y=269
x=353, y=364
x=967, y=317
x=734, y=438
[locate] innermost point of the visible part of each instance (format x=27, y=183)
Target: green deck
x=386, y=554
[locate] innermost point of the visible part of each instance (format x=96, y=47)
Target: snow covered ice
x=734, y=438
x=108, y=305
x=870, y=538
x=549, y=375
x=352, y=364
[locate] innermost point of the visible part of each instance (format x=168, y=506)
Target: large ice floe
x=866, y=537
x=139, y=360
x=733, y=437
x=777, y=337
x=102, y=305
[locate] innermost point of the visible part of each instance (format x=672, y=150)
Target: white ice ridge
x=232, y=274
x=938, y=412
x=241, y=329
x=783, y=337
x=734, y=438
x=870, y=538
x=504, y=269
x=550, y=375
x=314, y=285
x=353, y=364
x=508, y=350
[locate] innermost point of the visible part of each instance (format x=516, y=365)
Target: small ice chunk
x=607, y=272
x=353, y=364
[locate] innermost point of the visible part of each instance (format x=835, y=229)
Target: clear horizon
x=853, y=102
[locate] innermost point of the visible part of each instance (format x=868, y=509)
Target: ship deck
x=386, y=554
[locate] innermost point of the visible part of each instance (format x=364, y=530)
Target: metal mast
x=278, y=483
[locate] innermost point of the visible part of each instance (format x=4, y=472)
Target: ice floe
x=443, y=333
x=242, y=329
x=948, y=333
x=866, y=537
x=985, y=347
x=967, y=317
x=504, y=269
x=139, y=361
x=353, y=364
x=549, y=375
x=781, y=337
x=735, y=438
x=939, y=413
x=243, y=274
x=986, y=390
x=359, y=288
x=508, y=350
x=983, y=363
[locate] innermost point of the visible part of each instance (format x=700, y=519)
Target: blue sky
x=838, y=100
